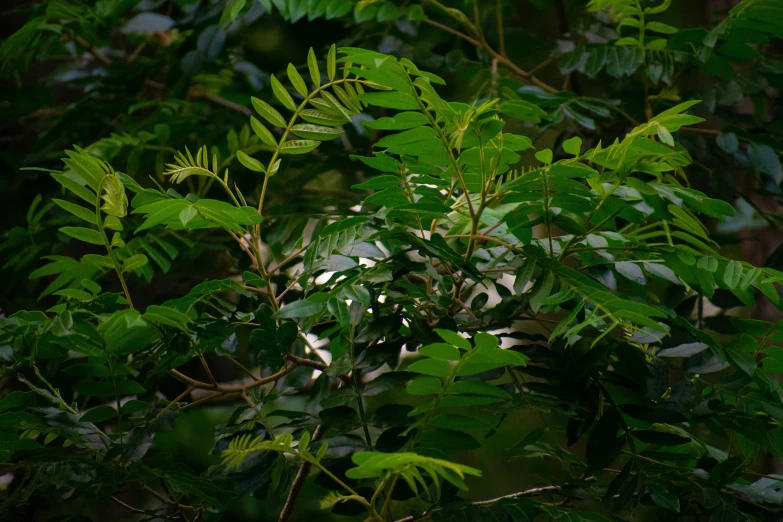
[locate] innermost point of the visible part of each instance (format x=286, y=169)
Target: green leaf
x=434, y=367
x=315, y=132
x=663, y=497
x=484, y=359
x=460, y=422
x=262, y=132
x=658, y=27
x=299, y=309
x=298, y=146
x=312, y=65
x=440, y=351
x=15, y=399
x=282, y=94
x=164, y=315
x=544, y=156
x=296, y=80
x=134, y=262
x=11, y=442
x=250, y=163
x=573, y=146
x=268, y=112
x=69, y=183
x=390, y=100
x=424, y=386
x=78, y=211
x=766, y=160
x=87, y=235
x=400, y=121
x=453, y=338
x=331, y=62
x=323, y=118
x=99, y=414
x=477, y=388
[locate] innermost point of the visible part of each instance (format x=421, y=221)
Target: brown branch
x=92, y=49
x=242, y=367
x=520, y=494
x=523, y=75
x=237, y=388
x=218, y=100
x=166, y=500
x=169, y=405
x=286, y=260
x=128, y=507
x=296, y=486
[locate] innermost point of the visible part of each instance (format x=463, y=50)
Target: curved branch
x=237, y=388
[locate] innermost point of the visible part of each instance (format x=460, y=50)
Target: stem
x=299, y=480
x=116, y=397
x=106, y=244
x=388, y=496
x=287, y=131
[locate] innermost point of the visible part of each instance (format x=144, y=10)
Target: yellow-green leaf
x=282, y=94
x=298, y=146
x=315, y=132
x=296, y=80
x=331, y=62
x=312, y=64
x=250, y=163
x=268, y=112
x=134, y=262
x=262, y=132
x=77, y=210
x=87, y=235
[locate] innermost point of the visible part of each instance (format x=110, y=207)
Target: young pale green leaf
x=134, y=262
x=69, y=183
x=88, y=235
x=401, y=121
x=659, y=27
x=268, y=112
x=298, y=146
x=323, y=118
x=453, y=338
x=262, y=132
x=315, y=132
x=573, y=146
x=78, y=211
x=390, y=100
x=331, y=63
x=296, y=80
x=282, y=94
x=250, y=163
x=312, y=65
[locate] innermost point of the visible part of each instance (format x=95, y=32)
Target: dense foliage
x=408, y=276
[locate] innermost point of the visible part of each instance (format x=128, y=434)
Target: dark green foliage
x=350, y=277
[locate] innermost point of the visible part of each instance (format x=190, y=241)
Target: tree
x=374, y=277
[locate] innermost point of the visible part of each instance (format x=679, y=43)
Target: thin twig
x=169, y=405
x=301, y=476
x=128, y=507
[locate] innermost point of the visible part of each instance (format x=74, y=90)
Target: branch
x=523, y=75
x=301, y=476
x=92, y=49
x=217, y=100
x=519, y=494
x=223, y=388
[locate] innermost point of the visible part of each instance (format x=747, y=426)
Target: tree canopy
x=386, y=261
